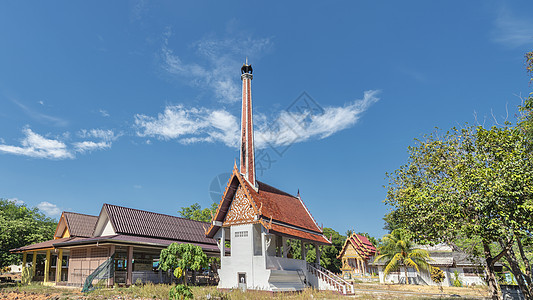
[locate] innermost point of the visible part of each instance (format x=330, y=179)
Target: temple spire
x=247, y=127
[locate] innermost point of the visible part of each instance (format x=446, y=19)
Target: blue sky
x=137, y=103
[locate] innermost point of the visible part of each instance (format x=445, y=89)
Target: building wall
x=467, y=278
x=83, y=261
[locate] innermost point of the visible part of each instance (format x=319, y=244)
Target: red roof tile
x=299, y=234
x=273, y=203
x=361, y=244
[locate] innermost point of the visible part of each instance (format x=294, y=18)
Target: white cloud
x=104, y=113
x=223, y=57
x=35, y=145
x=38, y=146
x=87, y=146
x=189, y=125
x=193, y=125
x=294, y=127
x=106, y=138
x=16, y=201
x=41, y=102
x=511, y=30
x=49, y=208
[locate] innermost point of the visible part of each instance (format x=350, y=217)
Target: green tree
x=469, y=184
x=398, y=250
x=21, y=226
x=195, y=212
x=328, y=254
x=180, y=257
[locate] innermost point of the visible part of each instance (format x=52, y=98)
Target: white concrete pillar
x=222, y=244
x=317, y=259
x=303, y=250
x=284, y=247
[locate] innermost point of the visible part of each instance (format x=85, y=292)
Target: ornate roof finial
x=246, y=68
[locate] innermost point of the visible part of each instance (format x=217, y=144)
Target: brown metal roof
x=130, y=239
x=80, y=225
x=43, y=245
x=136, y=222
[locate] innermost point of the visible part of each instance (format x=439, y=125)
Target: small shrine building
x=356, y=255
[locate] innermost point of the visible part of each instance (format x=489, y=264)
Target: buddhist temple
x=356, y=255
x=258, y=219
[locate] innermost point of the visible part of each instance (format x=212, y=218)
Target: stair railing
x=341, y=287
x=349, y=285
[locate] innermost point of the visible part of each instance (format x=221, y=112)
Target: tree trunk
x=406, y=277
x=490, y=277
x=527, y=266
x=515, y=269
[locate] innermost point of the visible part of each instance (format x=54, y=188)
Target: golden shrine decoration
x=241, y=210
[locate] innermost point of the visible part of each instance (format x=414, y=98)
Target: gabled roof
x=80, y=225
x=278, y=211
x=129, y=221
x=361, y=244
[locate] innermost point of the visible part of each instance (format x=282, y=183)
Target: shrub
x=180, y=292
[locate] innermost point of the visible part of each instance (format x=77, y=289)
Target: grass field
x=156, y=291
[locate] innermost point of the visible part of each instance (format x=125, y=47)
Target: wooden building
x=130, y=240
x=356, y=255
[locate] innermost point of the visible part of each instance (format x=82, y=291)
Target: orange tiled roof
x=289, y=214
x=362, y=246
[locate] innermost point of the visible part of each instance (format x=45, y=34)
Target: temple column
x=34, y=263
x=317, y=259
x=284, y=247
x=129, y=269
x=59, y=265
x=47, y=266
x=222, y=244
x=303, y=250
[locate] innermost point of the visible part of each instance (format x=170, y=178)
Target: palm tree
x=397, y=249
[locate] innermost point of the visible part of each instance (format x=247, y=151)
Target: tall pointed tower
x=247, y=126
x=258, y=220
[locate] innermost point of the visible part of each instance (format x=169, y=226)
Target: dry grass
x=160, y=291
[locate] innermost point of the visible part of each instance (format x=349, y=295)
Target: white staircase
x=286, y=280
x=326, y=279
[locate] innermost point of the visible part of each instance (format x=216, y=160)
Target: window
x=241, y=234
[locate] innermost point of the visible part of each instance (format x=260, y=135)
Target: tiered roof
x=361, y=244
x=278, y=211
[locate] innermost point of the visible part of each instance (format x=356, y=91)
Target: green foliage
x=182, y=257
x=328, y=254
x=456, y=281
x=437, y=275
x=195, y=212
x=180, y=292
x=27, y=273
x=398, y=250
x=21, y=226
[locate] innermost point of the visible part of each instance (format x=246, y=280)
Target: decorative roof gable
x=277, y=211
x=361, y=244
